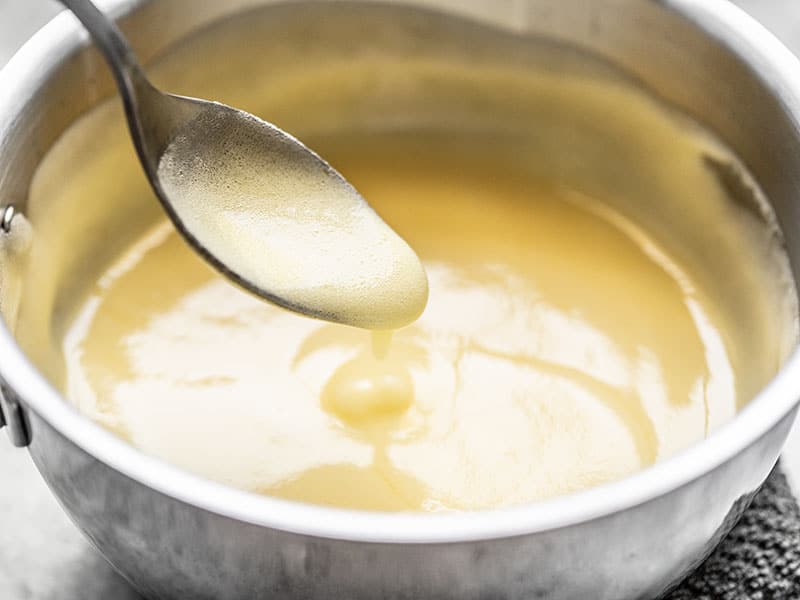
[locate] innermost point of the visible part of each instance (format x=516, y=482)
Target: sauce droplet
x=365, y=389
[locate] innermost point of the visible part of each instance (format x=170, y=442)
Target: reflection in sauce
x=560, y=348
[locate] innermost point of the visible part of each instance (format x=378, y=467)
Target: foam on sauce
x=291, y=228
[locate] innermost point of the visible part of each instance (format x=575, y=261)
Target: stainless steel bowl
x=174, y=535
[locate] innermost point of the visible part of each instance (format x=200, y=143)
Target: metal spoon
x=157, y=119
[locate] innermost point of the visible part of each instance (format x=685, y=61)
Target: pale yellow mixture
x=606, y=284
x=560, y=349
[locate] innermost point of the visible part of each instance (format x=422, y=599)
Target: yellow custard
x=607, y=286
x=560, y=348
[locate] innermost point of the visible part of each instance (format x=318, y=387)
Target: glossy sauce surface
x=561, y=348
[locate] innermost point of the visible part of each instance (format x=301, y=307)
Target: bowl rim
x=726, y=23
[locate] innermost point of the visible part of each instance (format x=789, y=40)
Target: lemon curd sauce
x=597, y=299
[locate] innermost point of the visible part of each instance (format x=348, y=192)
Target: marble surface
x=42, y=555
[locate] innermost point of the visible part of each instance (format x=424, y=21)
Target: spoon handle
x=109, y=39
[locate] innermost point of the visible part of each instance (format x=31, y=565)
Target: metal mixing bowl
x=175, y=535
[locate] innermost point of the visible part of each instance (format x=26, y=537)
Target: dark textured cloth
x=760, y=558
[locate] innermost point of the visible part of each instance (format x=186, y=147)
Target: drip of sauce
x=381, y=340
x=294, y=230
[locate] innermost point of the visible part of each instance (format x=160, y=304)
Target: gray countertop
x=42, y=555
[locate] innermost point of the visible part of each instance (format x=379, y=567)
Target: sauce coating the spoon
x=287, y=223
